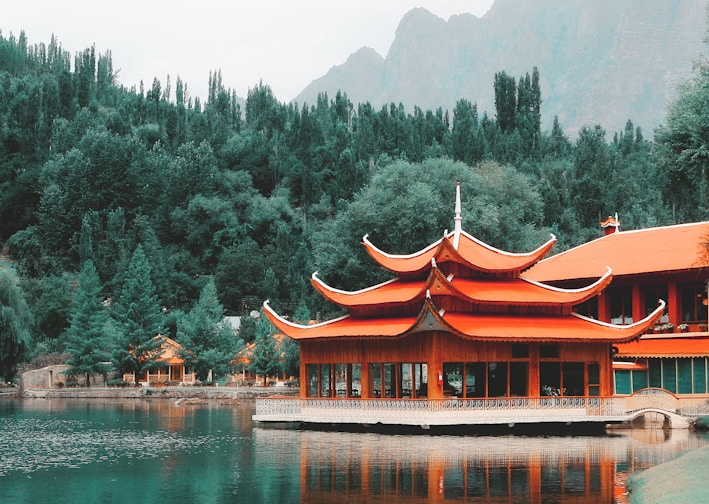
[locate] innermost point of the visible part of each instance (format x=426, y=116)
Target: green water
x=156, y=451
x=99, y=451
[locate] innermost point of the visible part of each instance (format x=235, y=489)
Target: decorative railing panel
x=444, y=411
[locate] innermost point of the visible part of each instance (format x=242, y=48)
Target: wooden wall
x=435, y=348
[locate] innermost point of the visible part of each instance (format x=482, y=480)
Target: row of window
x=693, y=303
x=679, y=376
x=458, y=379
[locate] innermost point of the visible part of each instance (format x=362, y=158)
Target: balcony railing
x=508, y=410
x=440, y=411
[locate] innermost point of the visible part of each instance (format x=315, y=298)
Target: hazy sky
x=285, y=43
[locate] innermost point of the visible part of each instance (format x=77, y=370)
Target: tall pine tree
x=209, y=341
x=89, y=335
x=140, y=319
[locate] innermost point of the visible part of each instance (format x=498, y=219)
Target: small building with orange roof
x=460, y=335
x=171, y=370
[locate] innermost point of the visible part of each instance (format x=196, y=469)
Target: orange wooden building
x=171, y=370
x=670, y=263
x=460, y=335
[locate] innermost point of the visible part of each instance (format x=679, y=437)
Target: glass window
x=694, y=308
x=421, y=372
x=453, y=379
x=375, y=380
x=594, y=374
x=573, y=379
x=311, y=374
x=341, y=380
x=390, y=380
x=325, y=381
x=549, y=351
x=639, y=380
x=475, y=375
x=669, y=374
x=356, y=381
x=621, y=301
x=699, y=370
x=653, y=295
x=550, y=378
x=406, y=379
x=622, y=382
x=497, y=379
x=684, y=376
x=520, y=351
x=654, y=367
x=519, y=379
x=588, y=308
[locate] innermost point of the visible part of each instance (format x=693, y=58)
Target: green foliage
x=15, y=324
x=90, y=335
x=209, y=341
x=682, y=149
x=408, y=206
x=89, y=170
x=266, y=358
x=140, y=319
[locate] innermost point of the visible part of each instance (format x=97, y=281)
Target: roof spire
x=458, y=217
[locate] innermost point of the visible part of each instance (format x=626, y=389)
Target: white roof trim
x=608, y=273
x=270, y=310
x=660, y=308
x=435, y=244
x=552, y=239
x=315, y=278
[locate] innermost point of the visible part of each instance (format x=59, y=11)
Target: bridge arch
x=656, y=400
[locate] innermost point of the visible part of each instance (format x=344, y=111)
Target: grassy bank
x=681, y=480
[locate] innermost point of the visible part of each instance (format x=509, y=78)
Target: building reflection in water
x=357, y=467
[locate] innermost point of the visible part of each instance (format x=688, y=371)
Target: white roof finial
x=458, y=217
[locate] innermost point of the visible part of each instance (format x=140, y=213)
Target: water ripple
x=31, y=444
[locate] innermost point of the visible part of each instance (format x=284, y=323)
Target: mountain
x=600, y=61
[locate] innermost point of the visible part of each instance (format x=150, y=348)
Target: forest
x=129, y=212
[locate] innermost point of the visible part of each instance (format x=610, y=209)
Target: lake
x=156, y=450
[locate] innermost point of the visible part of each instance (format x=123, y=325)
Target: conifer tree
x=266, y=357
x=140, y=319
x=209, y=342
x=89, y=335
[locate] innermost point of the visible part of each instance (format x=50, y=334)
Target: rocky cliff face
x=600, y=61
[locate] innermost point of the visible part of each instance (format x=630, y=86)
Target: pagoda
x=459, y=335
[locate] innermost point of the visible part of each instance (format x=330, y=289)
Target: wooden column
x=674, y=308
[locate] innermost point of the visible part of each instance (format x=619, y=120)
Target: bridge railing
x=661, y=399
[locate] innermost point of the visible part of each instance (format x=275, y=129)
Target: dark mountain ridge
x=600, y=62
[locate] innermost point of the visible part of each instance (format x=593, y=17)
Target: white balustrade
x=438, y=411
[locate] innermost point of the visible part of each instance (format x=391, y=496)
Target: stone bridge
x=679, y=412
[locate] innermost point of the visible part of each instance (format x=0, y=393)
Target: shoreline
x=153, y=393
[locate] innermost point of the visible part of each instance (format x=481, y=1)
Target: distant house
x=173, y=368
x=243, y=360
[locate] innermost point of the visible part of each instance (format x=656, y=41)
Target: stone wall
x=55, y=376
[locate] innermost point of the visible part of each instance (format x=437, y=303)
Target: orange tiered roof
x=663, y=249
x=487, y=327
x=468, y=251
x=518, y=291
x=483, y=297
